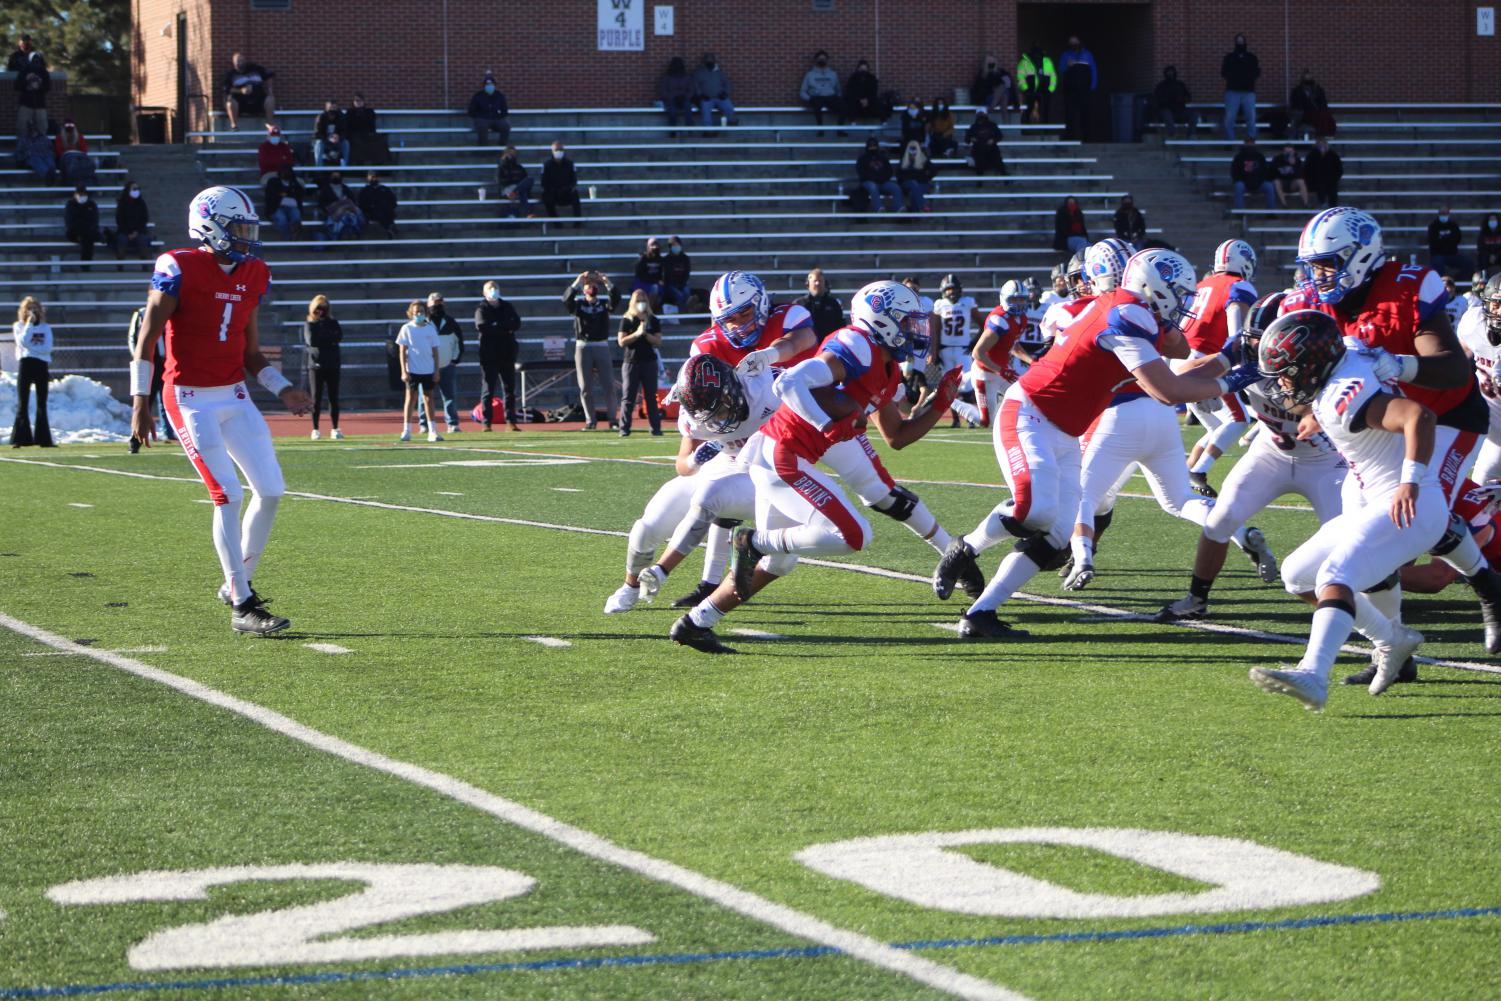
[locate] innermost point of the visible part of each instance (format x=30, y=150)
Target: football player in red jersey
x=992, y=373
x=1399, y=310
x=1220, y=308
x=205, y=299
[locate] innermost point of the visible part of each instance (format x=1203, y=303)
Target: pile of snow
x=78, y=409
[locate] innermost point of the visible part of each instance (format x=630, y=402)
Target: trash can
x=151, y=125
x=1123, y=120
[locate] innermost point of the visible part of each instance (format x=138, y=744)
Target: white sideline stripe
x=447, y=493
x=952, y=627
x=1041, y=599
x=757, y=634
x=551, y=641
x=328, y=648
x=568, y=490
x=76, y=504
x=751, y=905
x=66, y=653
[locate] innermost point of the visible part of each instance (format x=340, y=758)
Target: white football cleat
x=406, y=435
x=1304, y=685
x=315, y=435
x=623, y=600
x=652, y=579
x=1261, y=554
x=1186, y=609
x=1388, y=661
x=434, y=436
x=337, y=435
x=1079, y=577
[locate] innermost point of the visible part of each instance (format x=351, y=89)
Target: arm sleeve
x=1432, y=296
x=795, y=388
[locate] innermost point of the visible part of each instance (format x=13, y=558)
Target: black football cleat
x=250, y=616
x=1408, y=673
x=1200, y=484
x=957, y=561
x=693, y=597
x=985, y=625
x=972, y=580
x=743, y=562
x=685, y=633
x=1186, y=609
x=1487, y=585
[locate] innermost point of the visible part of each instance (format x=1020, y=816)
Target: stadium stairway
x=174, y=178
x=1190, y=223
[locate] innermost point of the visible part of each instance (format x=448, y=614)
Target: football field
x=453, y=777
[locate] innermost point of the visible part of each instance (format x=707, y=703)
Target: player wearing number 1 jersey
x=205, y=299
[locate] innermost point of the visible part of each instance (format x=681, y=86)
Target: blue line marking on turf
x=807, y=952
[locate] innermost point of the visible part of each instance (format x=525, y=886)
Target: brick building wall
x=1378, y=50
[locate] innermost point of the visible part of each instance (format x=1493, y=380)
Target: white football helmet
x=1016, y=298
x=739, y=304
x=1105, y=262
x=1235, y=257
x=1340, y=250
x=224, y=220
x=892, y=314
x=1166, y=281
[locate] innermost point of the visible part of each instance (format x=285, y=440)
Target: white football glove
x=757, y=362
x=1489, y=494
x=651, y=580
x=1394, y=368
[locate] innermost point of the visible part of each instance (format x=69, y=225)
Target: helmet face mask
x=1490, y=301
x=1015, y=297
x=1078, y=282
x=712, y=395
x=1298, y=353
x=1338, y=251
x=1165, y=281
x=893, y=315
x=224, y=220
x=1105, y=262
x=739, y=305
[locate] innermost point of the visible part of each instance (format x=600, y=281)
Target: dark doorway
x=1119, y=35
x=181, y=121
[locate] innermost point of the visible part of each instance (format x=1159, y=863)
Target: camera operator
x=591, y=299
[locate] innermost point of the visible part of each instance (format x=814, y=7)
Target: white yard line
x=751, y=905
x=76, y=504
x=757, y=634
x=327, y=648
x=550, y=641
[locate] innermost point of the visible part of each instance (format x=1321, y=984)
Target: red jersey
x=1008, y=329
x=1398, y=300
x=206, y=335
x=783, y=320
x=871, y=378
x=1209, y=329
x=1471, y=506
x=1074, y=382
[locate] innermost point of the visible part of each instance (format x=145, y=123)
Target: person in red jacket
x=272, y=154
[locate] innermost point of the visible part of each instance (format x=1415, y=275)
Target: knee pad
x=1392, y=580
x=726, y=522
x=1453, y=536
x=898, y=505
x=779, y=564
x=1102, y=522
x=1042, y=552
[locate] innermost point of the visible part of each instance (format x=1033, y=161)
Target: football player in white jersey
x=1397, y=511
x=957, y=315
x=1480, y=334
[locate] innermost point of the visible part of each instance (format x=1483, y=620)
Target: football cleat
x=1066, y=569
x=972, y=580
x=1406, y=674
x=1487, y=585
x=226, y=598
x=1304, y=685
x=250, y=616
x=406, y=435
x=1261, y=554
x=693, y=597
x=1200, y=484
x=957, y=559
x=1186, y=609
x=1389, y=661
x=316, y=435
x=685, y=633
x=984, y=625
x=336, y=435
x=651, y=581
x=623, y=600
x=1079, y=578
x=743, y=563
x=434, y=436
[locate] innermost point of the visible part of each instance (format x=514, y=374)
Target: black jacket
x=873, y=166
x=131, y=215
x=559, y=178
x=1444, y=237
x=1066, y=225
x=640, y=352
x=483, y=105
x=650, y=269
x=1322, y=171
x=496, y=325
x=1307, y=97
x=358, y=122
x=1171, y=94
x=677, y=269
x=444, y=326
x=862, y=89
x=330, y=121
x=509, y=172
x=80, y=220
x=828, y=312
x=1240, y=70
x=32, y=79
x=378, y=202
x=1487, y=248
x=322, y=338
x=591, y=320
x=1248, y=166
x=1130, y=225
x=277, y=189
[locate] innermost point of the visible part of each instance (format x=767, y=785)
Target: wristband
x=1409, y=368
x=1413, y=472
x=1224, y=386
x=273, y=380
x=140, y=378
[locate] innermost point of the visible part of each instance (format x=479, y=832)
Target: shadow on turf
x=1415, y=715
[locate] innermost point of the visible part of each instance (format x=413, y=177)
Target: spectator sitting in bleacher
x=1308, y=109
x=247, y=91
x=1249, y=172
x=283, y=202
x=995, y=89
x=514, y=184
x=941, y=141
x=984, y=139
x=862, y=96
x=1037, y=79
x=132, y=218
x=1488, y=246
x=591, y=331
x=1129, y=223
x=489, y=112
x=71, y=147
x=675, y=91
x=1070, y=235
x=1287, y=175
x=1240, y=69
x=827, y=310
x=677, y=272
x=1444, y=237
x=32, y=83
x=914, y=173
x=711, y=89
x=1322, y=169
x=1171, y=97
x=560, y=182
x=378, y=203
x=650, y=270
x=81, y=222
x=877, y=177
x=366, y=144
x=273, y=153
x=341, y=213
x=820, y=88
x=34, y=153
x=330, y=146
x=914, y=123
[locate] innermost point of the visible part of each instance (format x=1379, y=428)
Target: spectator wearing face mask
x=827, y=310
x=877, y=177
x=341, y=213
x=1130, y=224
x=941, y=141
x=32, y=82
x=1287, y=175
x=1249, y=172
x=330, y=142
x=273, y=153
x=820, y=88
x=1322, y=169
x=560, y=182
x=639, y=337
x=1240, y=69
x=914, y=123
x=1036, y=79
x=1070, y=235
x=377, y=203
x=650, y=272
x=1444, y=238
x=514, y=184
x=322, y=337
x=677, y=272
x=366, y=144
x=489, y=113
x=417, y=351
x=1488, y=246
x=591, y=299
x=496, y=323
x=450, y=352
x=862, y=96
x=33, y=337
x=284, y=195
x=1172, y=97
x=913, y=174
x=984, y=139
x=81, y=222
x=675, y=91
x=711, y=89
x=1079, y=76
x=132, y=219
